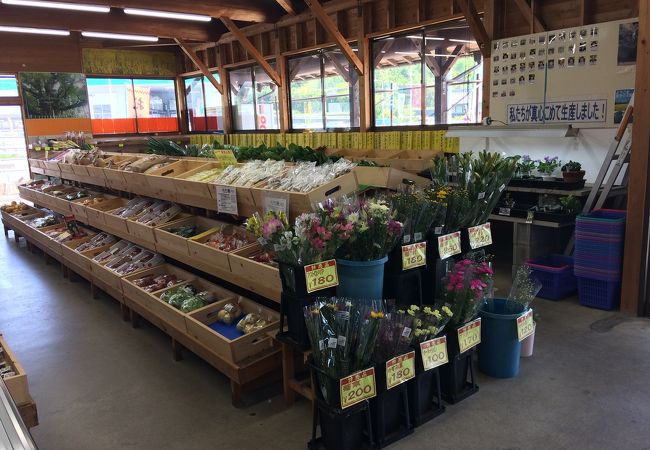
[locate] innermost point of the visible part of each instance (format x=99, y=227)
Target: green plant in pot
x=525, y=166
x=570, y=204
x=572, y=172
x=547, y=166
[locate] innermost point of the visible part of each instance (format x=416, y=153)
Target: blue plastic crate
x=555, y=272
x=598, y=293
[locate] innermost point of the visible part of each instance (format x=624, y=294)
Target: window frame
x=138, y=133
x=323, y=97
x=187, y=109
x=251, y=68
x=423, y=85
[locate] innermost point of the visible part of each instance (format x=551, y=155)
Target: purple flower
x=526, y=158
x=394, y=227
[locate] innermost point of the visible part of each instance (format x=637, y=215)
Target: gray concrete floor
x=99, y=384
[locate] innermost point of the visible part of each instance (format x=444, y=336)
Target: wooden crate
x=115, y=224
x=80, y=262
x=66, y=170
x=17, y=384
x=51, y=166
x=412, y=160
x=60, y=204
x=264, y=274
x=135, y=181
x=245, y=202
x=143, y=298
x=43, y=198
x=194, y=188
x=164, y=178
x=174, y=245
x=97, y=174
x=96, y=214
x=27, y=193
x=79, y=210
x=80, y=170
x=300, y=202
x=35, y=163
x=397, y=176
x=41, y=238
x=372, y=176
x=144, y=234
x=211, y=256
x=236, y=350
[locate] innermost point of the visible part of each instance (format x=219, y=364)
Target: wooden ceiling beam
x=200, y=64
x=476, y=26
x=113, y=22
x=536, y=24
x=250, y=48
x=329, y=25
x=287, y=6
x=244, y=10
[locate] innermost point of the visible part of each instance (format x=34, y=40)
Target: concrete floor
x=99, y=384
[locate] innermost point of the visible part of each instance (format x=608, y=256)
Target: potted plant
x=572, y=172
x=360, y=260
x=547, y=166
x=570, y=204
x=525, y=166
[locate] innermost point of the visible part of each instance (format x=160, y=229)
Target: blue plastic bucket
x=498, y=352
x=361, y=279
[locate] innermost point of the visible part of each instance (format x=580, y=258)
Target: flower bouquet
x=395, y=335
x=465, y=288
x=428, y=322
x=418, y=211
x=342, y=334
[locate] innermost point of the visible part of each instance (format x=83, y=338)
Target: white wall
x=589, y=148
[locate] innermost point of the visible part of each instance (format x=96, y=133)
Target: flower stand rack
x=341, y=429
x=425, y=394
x=457, y=381
x=389, y=410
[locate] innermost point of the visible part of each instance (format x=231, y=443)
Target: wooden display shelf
x=16, y=384
x=293, y=362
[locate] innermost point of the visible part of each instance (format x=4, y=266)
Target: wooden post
x=365, y=53
x=489, y=15
x=635, y=266
x=200, y=64
x=225, y=96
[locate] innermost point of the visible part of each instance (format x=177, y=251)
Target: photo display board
x=582, y=76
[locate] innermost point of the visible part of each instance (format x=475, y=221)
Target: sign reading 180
x=321, y=275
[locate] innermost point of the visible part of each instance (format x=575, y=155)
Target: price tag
x=321, y=275
x=400, y=369
x=37, y=148
x=504, y=211
x=449, y=245
x=357, y=387
x=406, y=239
x=225, y=157
x=434, y=353
x=120, y=145
x=530, y=216
x=480, y=236
x=481, y=195
x=275, y=204
x=469, y=335
x=227, y=200
x=437, y=230
x=525, y=325
x=417, y=236
x=414, y=255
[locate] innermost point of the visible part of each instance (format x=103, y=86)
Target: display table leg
x=126, y=312
x=236, y=393
x=135, y=319
x=177, y=350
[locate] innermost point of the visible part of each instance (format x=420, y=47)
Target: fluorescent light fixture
x=408, y=53
x=443, y=55
x=428, y=38
x=464, y=41
x=59, y=5
x=481, y=131
x=35, y=31
x=167, y=14
x=125, y=37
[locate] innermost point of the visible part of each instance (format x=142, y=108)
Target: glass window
x=324, y=91
x=111, y=105
x=254, y=99
x=8, y=86
x=155, y=105
x=123, y=105
x=204, y=107
x=195, y=104
x=428, y=77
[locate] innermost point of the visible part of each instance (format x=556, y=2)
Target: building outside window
x=253, y=99
x=124, y=105
x=431, y=76
x=324, y=91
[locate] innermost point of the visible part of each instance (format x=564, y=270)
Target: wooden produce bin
x=198, y=326
x=115, y=177
x=396, y=178
x=16, y=384
x=263, y=274
x=144, y=234
x=46, y=243
x=43, y=198
x=81, y=171
x=211, y=256
x=412, y=160
x=60, y=204
x=51, y=168
x=79, y=210
x=80, y=262
x=372, y=176
x=164, y=178
x=176, y=246
x=116, y=224
x=300, y=202
x=96, y=213
x=185, y=187
x=139, y=296
x=97, y=174
x=66, y=170
x=135, y=181
x=245, y=202
x=27, y=193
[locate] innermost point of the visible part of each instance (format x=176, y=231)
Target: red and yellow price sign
x=525, y=325
x=414, y=255
x=225, y=157
x=434, y=353
x=321, y=275
x=400, y=369
x=449, y=245
x=480, y=236
x=469, y=335
x=357, y=387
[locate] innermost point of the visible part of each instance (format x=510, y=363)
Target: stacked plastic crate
x=598, y=258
